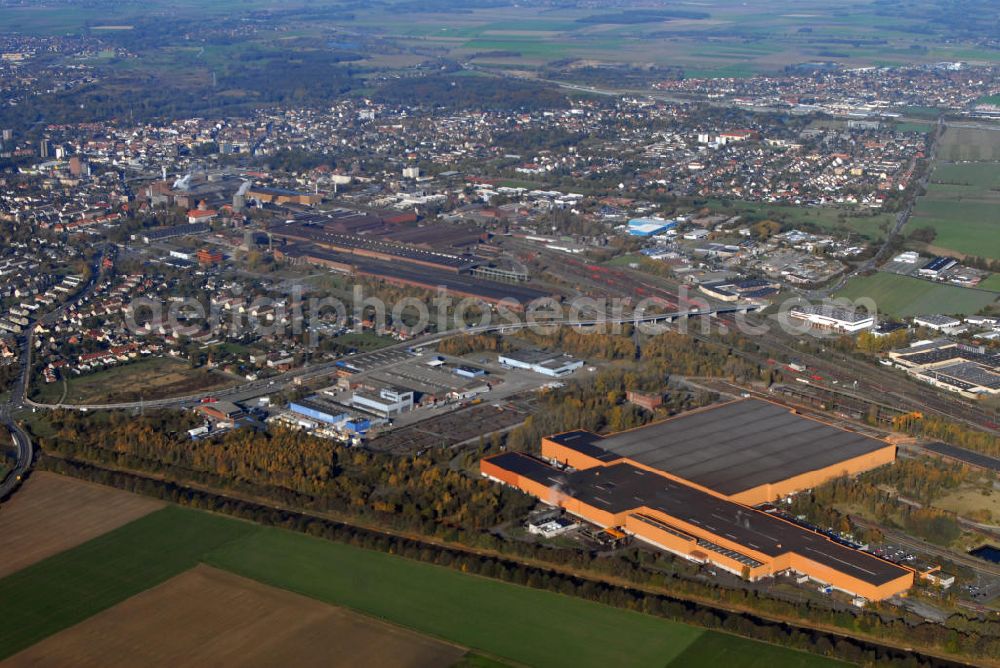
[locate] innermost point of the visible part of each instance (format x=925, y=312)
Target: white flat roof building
x=826, y=316
x=941, y=323
x=389, y=401
x=552, y=364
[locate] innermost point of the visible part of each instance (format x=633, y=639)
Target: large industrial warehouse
x=686, y=485
x=751, y=451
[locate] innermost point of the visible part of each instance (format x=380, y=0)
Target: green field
x=992, y=282
x=517, y=623
x=962, y=204
x=981, y=175
x=914, y=126
x=67, y=588
x=506, y=620
x=905, y=296
x=364, y=341
x=842, y=220
x=971, y=144
x=727, y=39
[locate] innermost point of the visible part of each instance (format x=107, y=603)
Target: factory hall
x=688, y=485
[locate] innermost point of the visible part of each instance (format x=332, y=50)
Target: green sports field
x=904, y=296
x=521, y=624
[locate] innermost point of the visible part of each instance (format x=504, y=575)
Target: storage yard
x=453, y=428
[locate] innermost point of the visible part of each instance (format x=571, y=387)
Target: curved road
x=22, y=442
x=18, y=393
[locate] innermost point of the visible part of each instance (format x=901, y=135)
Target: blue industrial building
x=318, y=410
x=357, y=426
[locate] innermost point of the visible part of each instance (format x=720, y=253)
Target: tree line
x=932, y=427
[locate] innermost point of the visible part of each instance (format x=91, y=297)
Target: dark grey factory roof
x=587, y=443
x=740, y=445
x=529, y=467
x=623, y=487
x=961, y=454
x=620, y=487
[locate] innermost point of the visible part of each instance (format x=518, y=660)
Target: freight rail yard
x=389, y=247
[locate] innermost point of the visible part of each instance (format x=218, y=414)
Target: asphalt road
x=22, y=442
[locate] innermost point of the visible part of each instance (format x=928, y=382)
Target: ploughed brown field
x=208, y=617
x=52, y=513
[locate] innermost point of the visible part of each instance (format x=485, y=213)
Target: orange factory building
x=686, y=485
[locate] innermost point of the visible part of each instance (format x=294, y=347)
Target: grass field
x=151, y=378
x=968, y=174
x=904, y=296
x=967, y=500
x=962, y=204
x=724, y=39
x=992, y=282
x=730, y=39
x=973, y=144
x=207, y=617
x=505, y=620
x=67, y=588
x=913, y=126
x=53, y=513
x=364, y=341
x=525, y=625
